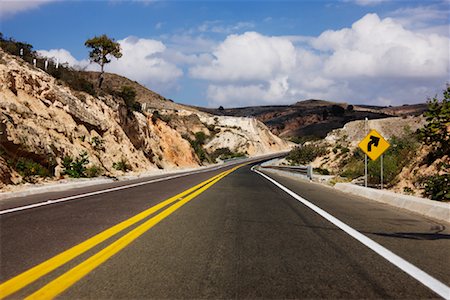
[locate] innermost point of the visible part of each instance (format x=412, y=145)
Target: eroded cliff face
x=42, y=120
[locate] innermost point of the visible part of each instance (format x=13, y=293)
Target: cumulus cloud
x=383, y=48
x=250, y=56
x=140, y=62
x=12, y=7
x=63, y=56
x=375, y=61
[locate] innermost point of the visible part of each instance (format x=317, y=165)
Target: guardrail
x=305, y=170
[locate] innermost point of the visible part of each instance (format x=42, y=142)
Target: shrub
x=435, y=132
x=197, y=145
x=94, y=171
x=408, y=190
x=321, y=171
x=394, y=160
x=97, y=143
x=225, y=153
x=437, y=187
x=337, y=110
x=28, y=169
x=76, y=168
x=122, y=165
x=128, y=94
x=303, y=139
x=305, y=154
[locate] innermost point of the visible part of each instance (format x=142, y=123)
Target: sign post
x=366, y=123
x=381, y=169
x=374, y=145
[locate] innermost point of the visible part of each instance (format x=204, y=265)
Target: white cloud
x=250, y=56
x=12, y=7
x=219, y=27
x=366, y=2
x=383, y=48
x=63, y=56
x=425, y=19
x=140, y=62
x=375, y=61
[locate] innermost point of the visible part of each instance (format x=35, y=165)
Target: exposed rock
x=44, y=120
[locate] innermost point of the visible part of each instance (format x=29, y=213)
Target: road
x=234, y=235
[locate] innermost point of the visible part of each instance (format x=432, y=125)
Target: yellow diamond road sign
x=374, y=145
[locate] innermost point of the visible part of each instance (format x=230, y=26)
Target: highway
x=222, y=233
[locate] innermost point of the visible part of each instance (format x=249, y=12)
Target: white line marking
x=432, y=283
x=48, y=202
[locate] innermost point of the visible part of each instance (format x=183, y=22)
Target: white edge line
x=432, y=283
x=20, y=208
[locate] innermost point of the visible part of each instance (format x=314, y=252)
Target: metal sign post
x=365, y=158
x=381, y=171
x=374, y=145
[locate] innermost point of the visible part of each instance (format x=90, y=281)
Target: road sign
x=374, y=145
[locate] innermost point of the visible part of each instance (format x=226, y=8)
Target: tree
x=103, y=48
x=437, y=130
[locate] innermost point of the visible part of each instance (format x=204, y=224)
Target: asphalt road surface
x=225, y=233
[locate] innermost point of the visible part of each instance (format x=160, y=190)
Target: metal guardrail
x=305, y=170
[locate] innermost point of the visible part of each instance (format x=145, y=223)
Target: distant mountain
x=315, y=118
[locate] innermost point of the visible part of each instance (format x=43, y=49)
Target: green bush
x=97, y=143
x=157, y=116
x=394, y=160
x=435, y=132
x=76, y=168
x=197, y=145
x=321, y=171
x=225, y=153
x=303, y=139
x=94, y=171
x=437, y=187
x=128, y=94
x=305, y=154
x=122, y=165
x=28, y=169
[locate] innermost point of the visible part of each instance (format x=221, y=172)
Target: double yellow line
x=63, y=282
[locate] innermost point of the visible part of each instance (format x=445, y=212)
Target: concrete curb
x=433, y=209
x=54, y=187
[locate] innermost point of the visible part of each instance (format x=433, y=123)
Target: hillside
x=49, y=129
x=149, y=99
x=315, y=118
x=408, y=163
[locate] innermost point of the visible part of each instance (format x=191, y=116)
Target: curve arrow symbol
x=373, y=141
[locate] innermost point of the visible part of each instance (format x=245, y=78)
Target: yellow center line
x=66, y=280
x=20, y=281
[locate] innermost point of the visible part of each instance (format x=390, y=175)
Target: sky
x=245, y=53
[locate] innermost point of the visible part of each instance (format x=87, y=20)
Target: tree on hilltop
x=103, y=48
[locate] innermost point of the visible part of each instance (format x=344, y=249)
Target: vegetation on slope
x=433, y=139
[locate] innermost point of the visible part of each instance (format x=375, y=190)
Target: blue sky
x=238, y=53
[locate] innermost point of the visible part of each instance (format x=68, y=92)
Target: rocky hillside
x=47, y=128
x=406, y=162
x=316, y=118
x=148, y=98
